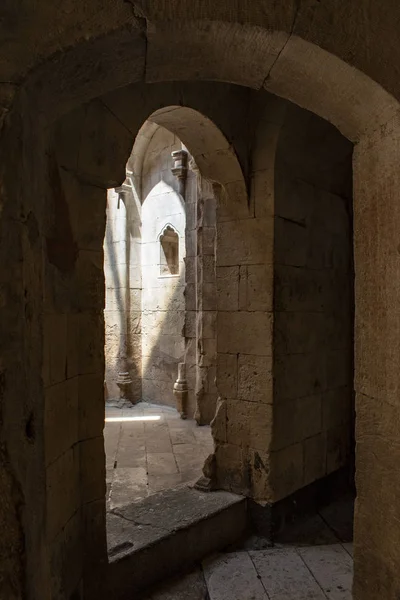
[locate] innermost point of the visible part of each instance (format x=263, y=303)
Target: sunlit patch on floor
x=143, y=418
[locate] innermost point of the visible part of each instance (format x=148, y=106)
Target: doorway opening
x=152, y=258
x=314, y=419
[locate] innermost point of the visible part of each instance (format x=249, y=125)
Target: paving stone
x=155, y=426
x=128, y=484
x=189, y=587
x=233, y=577
x=161, y=464
x=285, y=576
x=332, y=567
x=134, y=411
x=188, y=464
x=132, y=430
x=147, y=445
x=111, y=439
x=172, y=417
x=158, y=443
x=157, y=483
x=187, y=449
x=131, y=457
x=182, y=436
x=181, y=424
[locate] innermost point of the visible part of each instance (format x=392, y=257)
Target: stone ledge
x=166, y=533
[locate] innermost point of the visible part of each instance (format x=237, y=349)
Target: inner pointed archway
x=162, y=222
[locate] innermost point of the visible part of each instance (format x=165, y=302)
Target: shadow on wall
x=160, y=365
x=122, y=300
x=163, y=292
x=148, y=348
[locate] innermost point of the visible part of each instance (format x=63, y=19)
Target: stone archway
x=217, y=179
x=373, y=125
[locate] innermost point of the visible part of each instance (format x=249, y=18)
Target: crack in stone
x=138, y=523
x=290, y=35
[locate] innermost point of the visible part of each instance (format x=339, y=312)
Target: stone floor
x=150, y=448
x=285, y=573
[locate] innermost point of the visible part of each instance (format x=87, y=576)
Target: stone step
x=167, y=533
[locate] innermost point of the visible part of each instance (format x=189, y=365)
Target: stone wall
x=313, y=303
x=74, y=345
x=285, y=310
x=242, y=427
x=205, y=315
x=163, y=299
x=307, y=65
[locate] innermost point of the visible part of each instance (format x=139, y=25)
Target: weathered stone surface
x=97, y=146
x=249, y=424
x=92, y=469
x=256, y=241
x=138, y=543
x=61, y=418
x=285, y=576
x=218, y=424
x=297, y=420
x=227, y=375
x=273, y=573
x=228, y=288
x=255, y=378
x=244, y=332
x=233, y=577
x=332, y=568
x=287, y=468
x=256, y=288
x=62, y=474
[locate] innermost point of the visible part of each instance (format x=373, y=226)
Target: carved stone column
x=181, y=391
x=124, y=380
x=180, y=158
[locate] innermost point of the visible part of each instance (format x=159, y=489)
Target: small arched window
x=169, y=252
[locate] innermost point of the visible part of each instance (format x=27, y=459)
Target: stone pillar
x=377, y=351
x=243, y=424
x=124, y=380
x=181, y=391
x=206, y=303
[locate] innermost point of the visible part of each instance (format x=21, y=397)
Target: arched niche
x=169, y=251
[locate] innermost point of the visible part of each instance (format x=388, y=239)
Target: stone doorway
x=160, y=279
x=313, y=437
x=160, y=313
